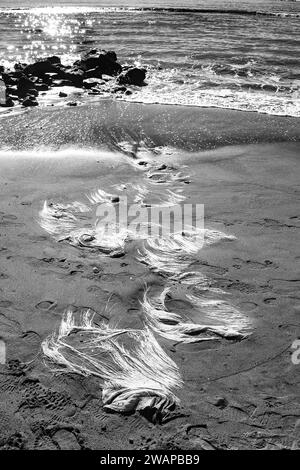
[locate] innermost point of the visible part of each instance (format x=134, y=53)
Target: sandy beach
x=244, y=168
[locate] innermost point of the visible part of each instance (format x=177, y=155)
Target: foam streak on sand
x=60, y=221
x=135, y=377
x=170, y=325
x=139, y=376
x=173, y=254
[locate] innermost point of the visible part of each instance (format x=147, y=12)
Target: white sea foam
x=174, y=254
x=134, y=370
x=60, y=221
x=99, y=197
x=170, y=325
x=173, y=86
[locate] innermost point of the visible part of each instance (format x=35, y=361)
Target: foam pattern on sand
x=61, y=222
x=99, y=197
x=173, y=254
x=71, y=221
x=136, y=373
x=172, y=326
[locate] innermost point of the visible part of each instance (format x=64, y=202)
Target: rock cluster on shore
x=91, y=72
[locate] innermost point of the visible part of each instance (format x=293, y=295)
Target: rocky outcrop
x=24, y=86
x=74, y=76
x=134, y=76
x=101, y=62
x=97, y=71
x=30, y=101
x=41, y=67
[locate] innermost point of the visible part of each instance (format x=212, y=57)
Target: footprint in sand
x=97, y=290
x=45, y=304
x=2, y=352
x=9, y=219
x=247, y=306
x=252, y=264
x=66, y=440
x=24, y=347
x=270, y=301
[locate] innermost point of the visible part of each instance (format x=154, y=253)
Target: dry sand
x=236, y=394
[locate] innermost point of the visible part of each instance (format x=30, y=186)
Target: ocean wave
x=238, y=87
x=185, y=70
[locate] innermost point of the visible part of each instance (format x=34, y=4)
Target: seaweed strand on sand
x=60, y=221
x=136, y=372
x=171, y=325
x=174, y=254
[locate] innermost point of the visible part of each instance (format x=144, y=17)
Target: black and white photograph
x=149, y=229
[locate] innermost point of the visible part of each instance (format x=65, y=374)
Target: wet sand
x=184, y=127
x=235, y=395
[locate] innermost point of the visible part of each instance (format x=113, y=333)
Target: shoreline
x=107, y=123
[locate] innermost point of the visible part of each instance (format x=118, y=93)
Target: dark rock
x=90, y=62
x=17, y=73
x=19, y=66
x=41, y=86
x=9, y=79
x=115, y=199
x=24, y=85
x=101, y=62
x=93, y=52
x=109, y=66
x=49, y=77
x=72, y=103
x=93, y=73
x=133, y=76
x=9, y=103
x=2, y=69
x=30, y=101
x=11, y=90
x=54, y=59
x=128, y=92
x=112, y=55
x=33, y=92
x=41, y=67
x=62, y=94
x=75, y=76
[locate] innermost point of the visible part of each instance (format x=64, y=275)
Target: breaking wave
x=222, y=86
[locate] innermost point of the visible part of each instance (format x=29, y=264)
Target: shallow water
x=238, y=55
